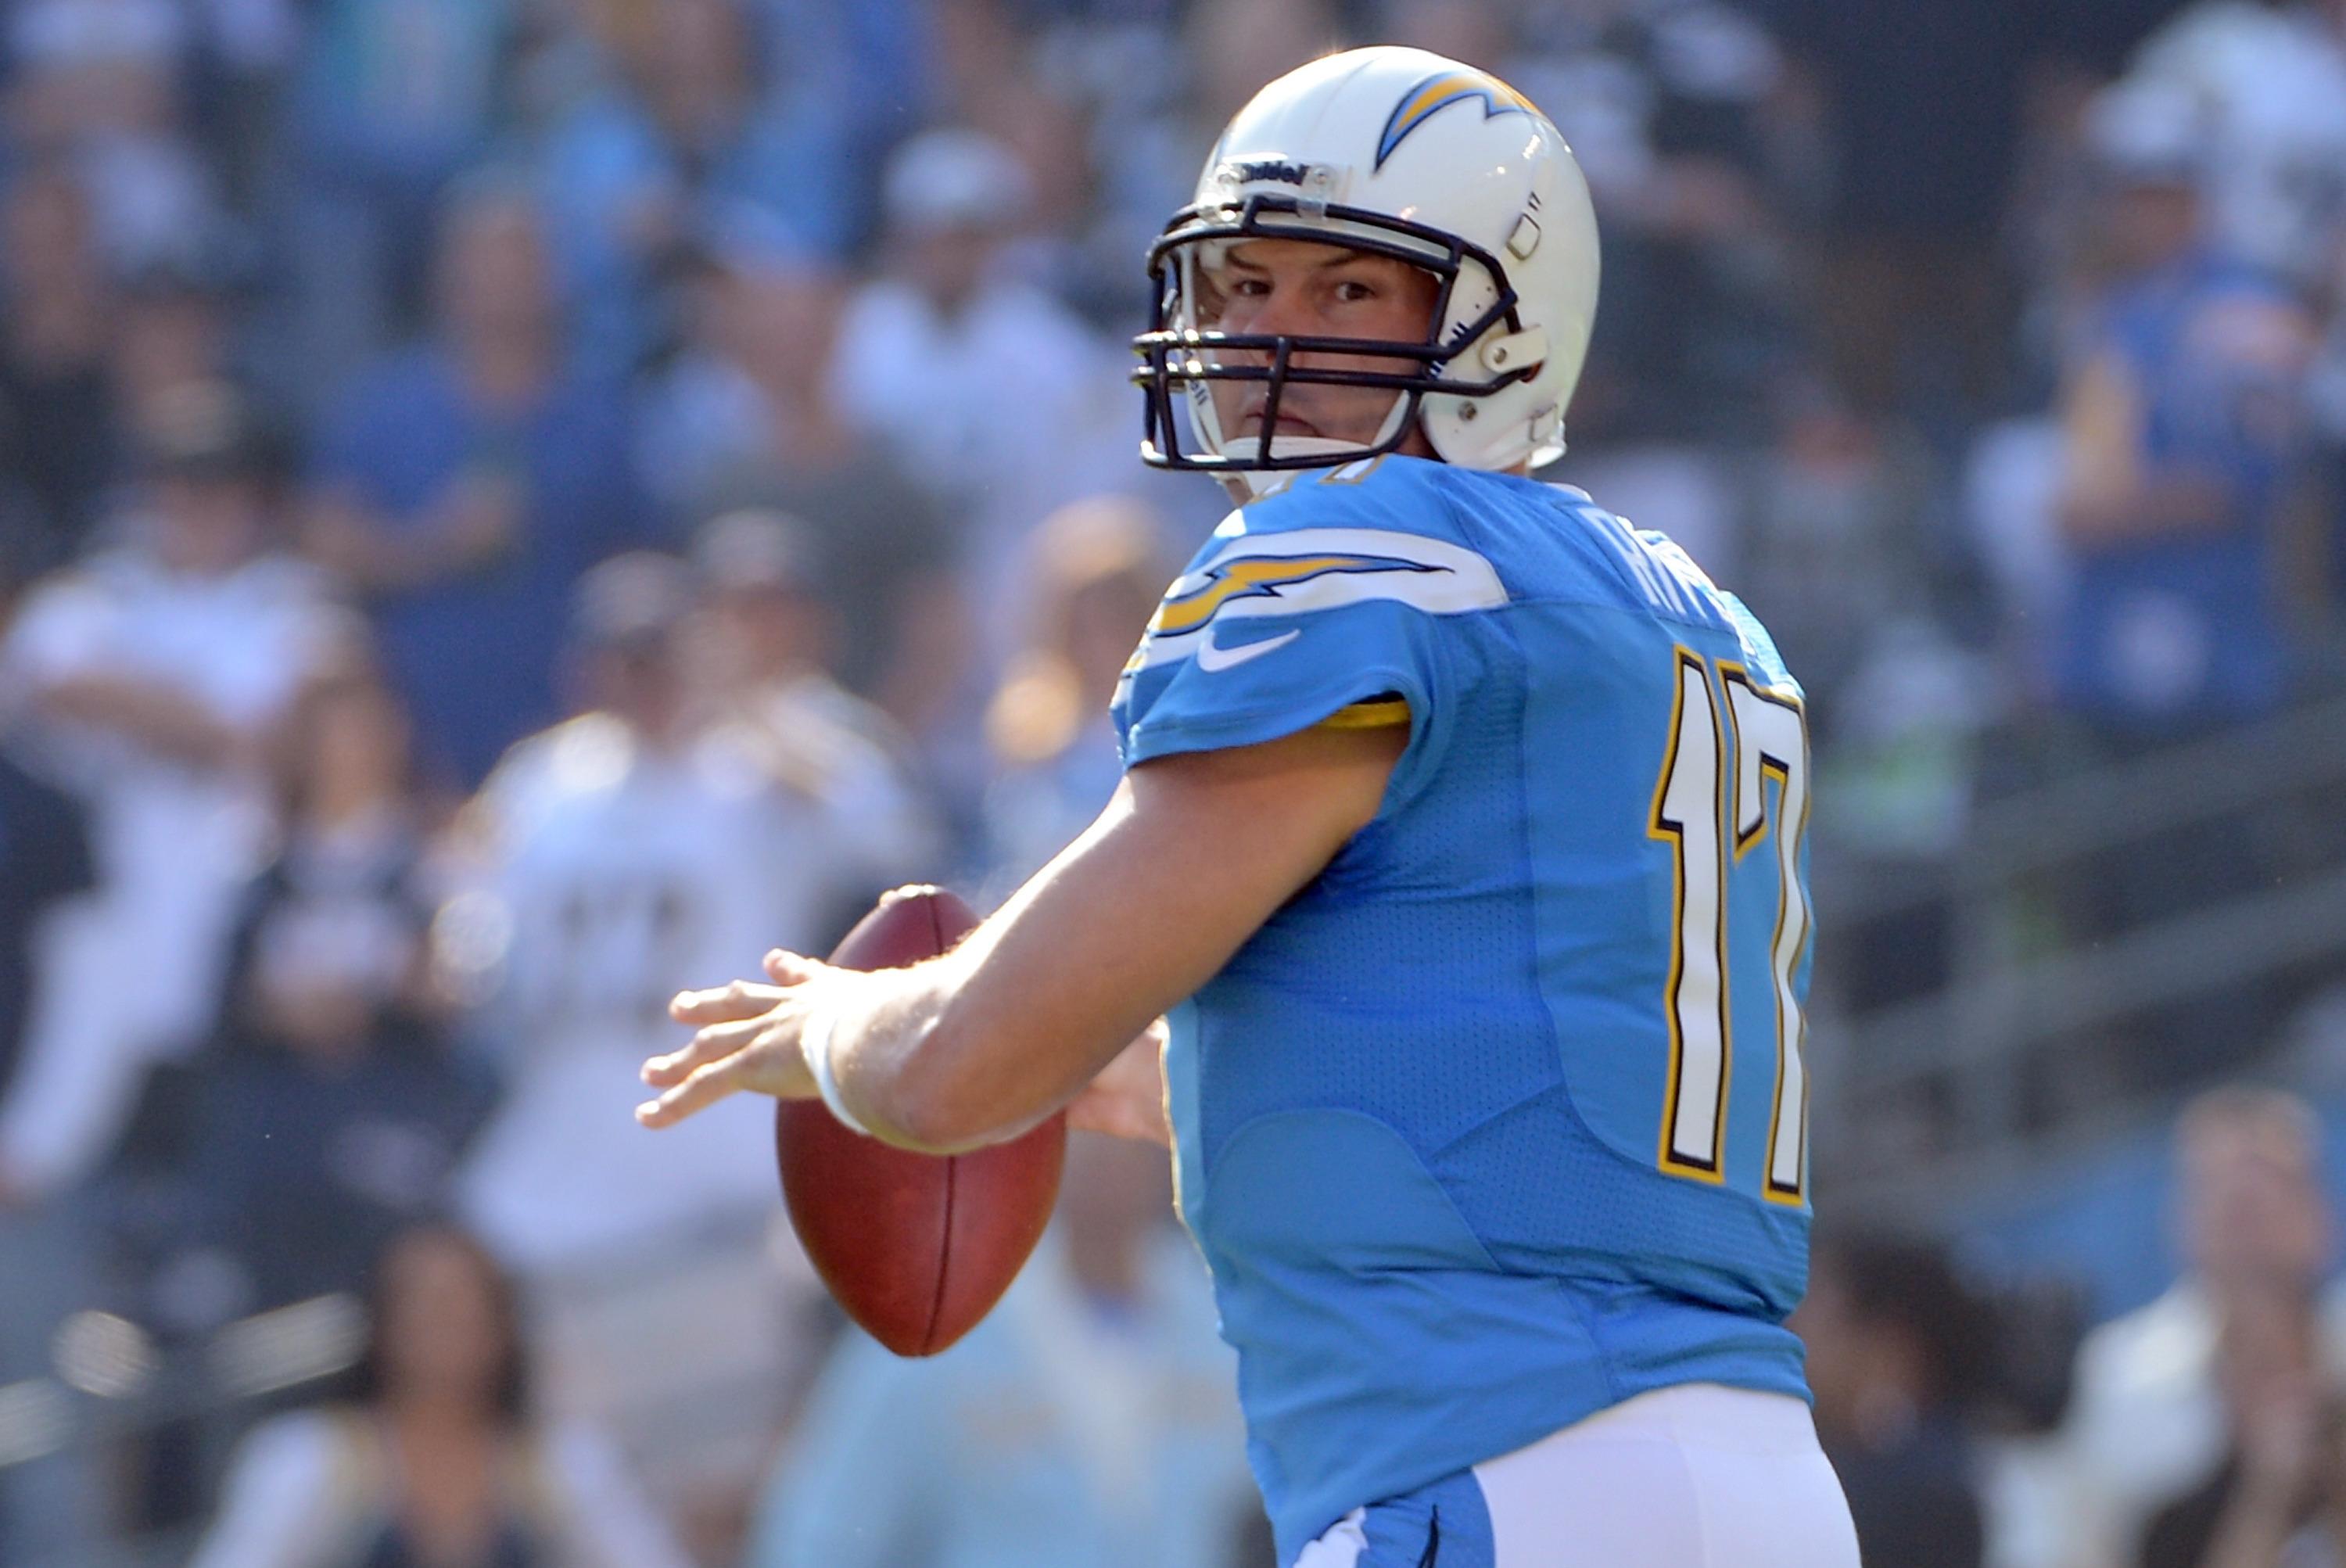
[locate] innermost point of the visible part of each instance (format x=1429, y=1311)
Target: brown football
x=916, y=1248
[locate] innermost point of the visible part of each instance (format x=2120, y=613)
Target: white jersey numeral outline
x=1762, y=732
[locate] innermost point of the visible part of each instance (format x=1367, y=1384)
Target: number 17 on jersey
x=1734, y=780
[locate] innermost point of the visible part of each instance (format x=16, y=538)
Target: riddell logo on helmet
x=1276, y=170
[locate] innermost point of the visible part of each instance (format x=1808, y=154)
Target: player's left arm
x=1196, y=851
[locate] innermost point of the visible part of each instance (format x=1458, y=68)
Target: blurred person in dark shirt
x=334, y=1110
x=464, y=483
x=1896, y=1347
x=57, y=409
x=438, y=1460
x=2183, y=433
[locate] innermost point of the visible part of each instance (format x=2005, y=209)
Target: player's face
x=1299, y=287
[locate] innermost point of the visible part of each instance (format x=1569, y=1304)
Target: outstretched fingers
x=707, y=1084
x=713, y=1043
x=784, y=967
x=725, y=1003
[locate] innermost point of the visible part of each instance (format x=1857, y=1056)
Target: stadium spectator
x=626, y=851
x=331, y=1112
x=919, y=365
x=96, y=84
x=2274, y=1501
x=439, y=1457
x=1896, y=1349
x=175, y=329
x=1089, y=1420
x=45, y=1508
x=391, y=100
x=867, y=70
x=2268, y=80
x=772, y=631
x=2146, y=1423
x=1100, y=566
x=987, y=83
x=56, y=409
x=464, y=483
x=744, y=417
x=686, y=127
x=44, y=859
x=156, y=671
x=2181, y=406
x=1837, y=545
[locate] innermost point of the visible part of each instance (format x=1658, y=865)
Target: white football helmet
x=1406, y=154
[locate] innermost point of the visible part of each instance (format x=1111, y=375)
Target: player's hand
x=747, y=1037
x=1127, y=1099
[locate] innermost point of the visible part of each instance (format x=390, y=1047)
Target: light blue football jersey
x=1501, y=1120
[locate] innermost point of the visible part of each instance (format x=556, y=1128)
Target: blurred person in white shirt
x=921, y=355
x=2270, y=81
x=616, y=856
x=154, y=675
x=2147, y=1423
x=771, y=637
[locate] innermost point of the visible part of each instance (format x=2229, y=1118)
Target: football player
x=1461, y=839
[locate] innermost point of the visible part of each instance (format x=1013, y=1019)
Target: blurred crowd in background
x=509, y=508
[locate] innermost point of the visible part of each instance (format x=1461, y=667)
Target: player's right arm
x=1195, y=853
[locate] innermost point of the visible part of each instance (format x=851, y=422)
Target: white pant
x=1697, y=1476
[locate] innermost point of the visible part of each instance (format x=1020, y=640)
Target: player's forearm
x=1194, y=854
x=1189, y=860
x=983, y=1043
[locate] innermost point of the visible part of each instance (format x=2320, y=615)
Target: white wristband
x=814, y=1045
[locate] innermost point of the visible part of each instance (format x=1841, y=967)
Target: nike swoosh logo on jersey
x=1214, y=660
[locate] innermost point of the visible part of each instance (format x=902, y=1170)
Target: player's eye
x=1355, y=291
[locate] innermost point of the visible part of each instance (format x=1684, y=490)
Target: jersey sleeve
x=1277, y=628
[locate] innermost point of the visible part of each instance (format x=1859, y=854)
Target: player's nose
x=1287, y=312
